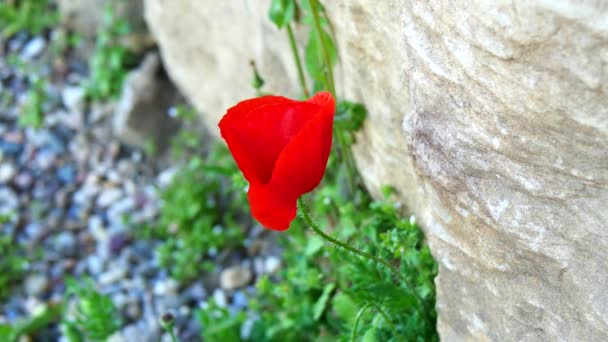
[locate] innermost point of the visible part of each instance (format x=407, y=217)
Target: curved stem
x=305, y=215
x=357, y=319
x=360, y=314
x=296, y=57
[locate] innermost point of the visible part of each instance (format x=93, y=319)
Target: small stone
x=120, y=300
x=165, y=178
x=118, y=241
x=120, y=208
x=66, y=174
x=73, y=98
x=235, y=277
x=219, y=296
x=24, y=180
x=258, y=266
x=94, y=264
x=33, y=48
x=34, y=230
x=133, y=311
x=166, y=287
x=7, y=172
x=116, y=271
x=36, y=285
x=195, y=292
x=108, y=196
x=9, y=202
x=239, y=300
x=66, y=243
x=45, y=159
x=272, y=264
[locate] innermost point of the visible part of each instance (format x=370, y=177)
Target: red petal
x=257, y=132
x=270, y=209
x=301, y=164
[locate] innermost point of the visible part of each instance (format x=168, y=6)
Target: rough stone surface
x=140, y=117
x=489, y=117
x=207, y=46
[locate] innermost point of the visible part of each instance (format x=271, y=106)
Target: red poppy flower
x=281, y=146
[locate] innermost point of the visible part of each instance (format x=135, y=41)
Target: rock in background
x=85, y=17
x=490, y=118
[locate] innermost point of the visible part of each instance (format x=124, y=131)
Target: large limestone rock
x=207, y=47
x=490, y=117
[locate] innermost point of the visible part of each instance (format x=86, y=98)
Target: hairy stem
x=303, y=210
x=296, y=57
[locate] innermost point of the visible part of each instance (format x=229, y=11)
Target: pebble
x=239, y=300
x=118, y=241
x=73, y=98
x=166, y=287
x=116, y=271
x=65, y=243
x=95, y=264
x=9, y=202
x=108, y=196
x=272, y=264
x=66, y=174
x=219, y=296
x=36, y=284
x=7, y=172
x=45, y=159
x=24, y=180
x=33, y=48
x=133, y=310
x=235, y=277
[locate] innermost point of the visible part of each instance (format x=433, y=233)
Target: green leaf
x=7, y=333
x=314, y=56
x=345, y=308
x=282, y=12
x=350, y=115
x=313, y=245
x=370, y=335
x=321, y=303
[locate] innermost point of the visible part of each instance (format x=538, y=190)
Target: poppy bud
x=281, y=146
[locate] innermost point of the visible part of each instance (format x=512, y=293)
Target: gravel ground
x=70, y=186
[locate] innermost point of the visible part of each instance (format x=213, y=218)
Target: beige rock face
x=207, y=46
x=490, y=117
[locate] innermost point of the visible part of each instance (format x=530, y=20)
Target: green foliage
x=108, y=63
x=26, y=15
x=41, y=318
x=94, y=318
x=349, y=118
x=203, y=207
x=32, y=111
x=12, y=263
x=218, y=324
x=282, y=12
x=320, y=53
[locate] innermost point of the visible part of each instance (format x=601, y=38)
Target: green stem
x=345, y=153
x=314, y=8
x=172, y=334
x=306, y=217
x=360, y=315
x=296, y=57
